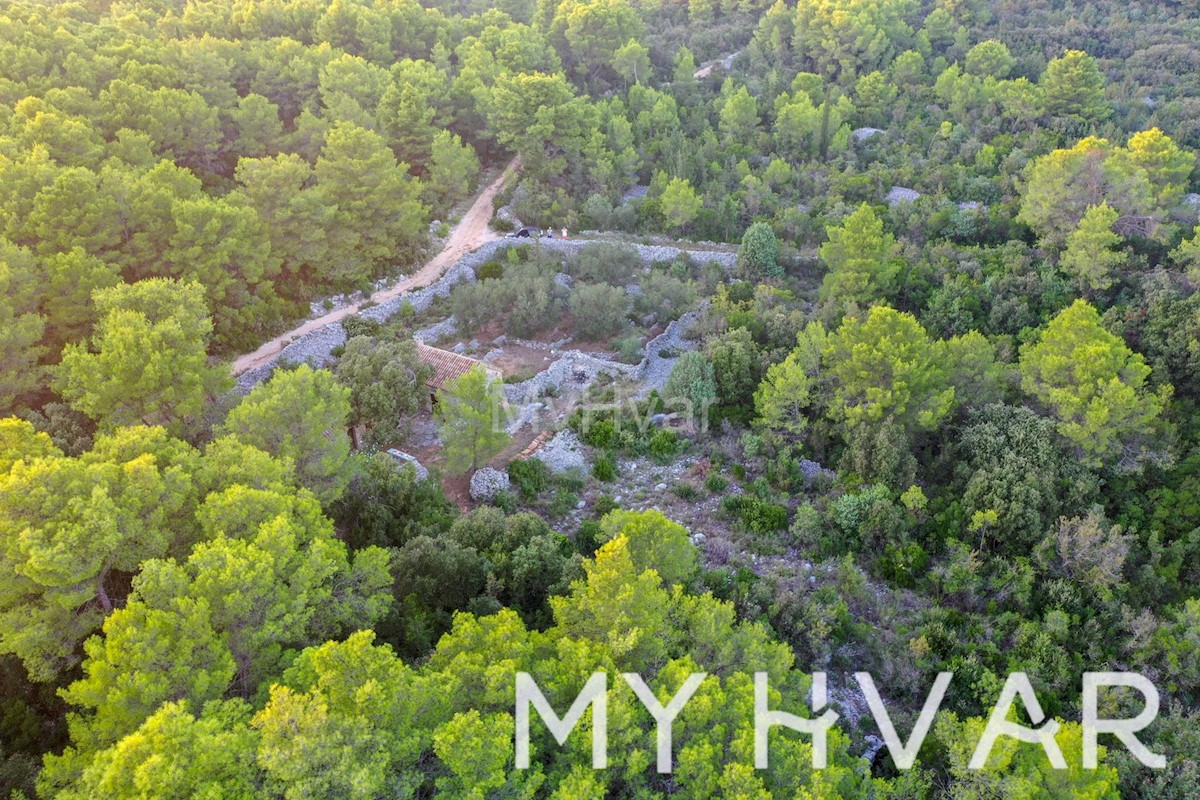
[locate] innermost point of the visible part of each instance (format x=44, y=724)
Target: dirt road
x=471, y=232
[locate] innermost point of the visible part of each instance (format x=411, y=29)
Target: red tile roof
x=447, y=365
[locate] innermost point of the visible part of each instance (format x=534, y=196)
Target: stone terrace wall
x=316, y=348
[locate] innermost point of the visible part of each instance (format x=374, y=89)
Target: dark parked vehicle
x=526, y=233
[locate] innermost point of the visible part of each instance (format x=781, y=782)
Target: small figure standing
x=564, y=233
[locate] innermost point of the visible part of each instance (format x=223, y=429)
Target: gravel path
x=313, y=343
x=468, y=235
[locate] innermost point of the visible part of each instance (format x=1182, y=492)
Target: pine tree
x=1090, y=257
x=469, y=414
x=860, y=258
x=758, y=255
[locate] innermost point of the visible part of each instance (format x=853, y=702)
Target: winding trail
x=471, y=232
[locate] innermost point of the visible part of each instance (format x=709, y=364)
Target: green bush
x=754, y=514
x=604, y=469
x=599, y=310
x=605, y=263
x=407, y=314
x=603, y=505
x=685, y=491
x=666, y=296
x=530, y=476
x=808, y=528
x=902, y=564
x=571, y=480
x=355, y=325
x=629, y=348
x=601, y=434
x=505, y=501
x=716, y=482
x=490, y=270
x=564, y=502
x=664, y=446
x=587, y=537
x=869, y=520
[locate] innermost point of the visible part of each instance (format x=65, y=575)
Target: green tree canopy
x=860, y=259
x=885, y=367
x=300, y=415
x=691, y=379
x=1090, y=257
x=1073, y=87
x=1060, y=187
x=1187, y=255
x=1096, y=388
x=21, y=326
x=470, y=413
x=386, y=380
x=737, y=367
x=655, y=543
x=379, y=223
x=784, y=396
x=72, y=529
x=679, y=202
x=147, y=362
x=1168, y=166
x=758, y=255
x=269, y=578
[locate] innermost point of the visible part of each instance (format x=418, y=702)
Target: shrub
x=572, y=480
x=531, y=476
x=665, y=295
x=685, y=491
x=754, y=514
x=691, y=384
x=505, y=501
x=604, y=469
x=808, y=527
x=716, y=483
x=599, y=311
x=752, y=444
x=869, y=519
x=607, y=263
x=502, y=225
x=355, y=325
x=587, y=537
x=601, y=434
x=903, y=563
x=758, y=253
x=629, y=348
x=490, y=270
x=406, y=314
x=527, y=297
x=664, y=446
x=564, y=502
x=472, y=306
x=597, y=212
x=603, y=505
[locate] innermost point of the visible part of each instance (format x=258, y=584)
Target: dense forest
x=927, y=272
